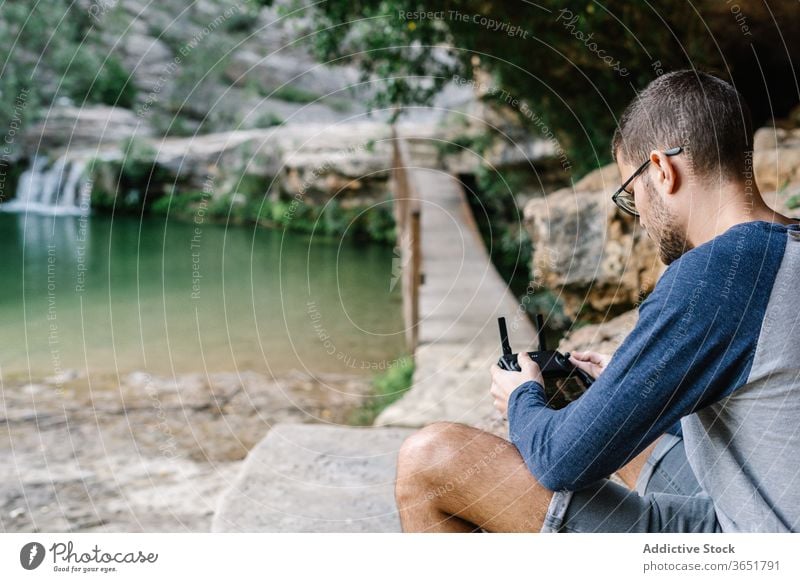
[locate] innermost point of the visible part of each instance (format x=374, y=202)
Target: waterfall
x=60, y=188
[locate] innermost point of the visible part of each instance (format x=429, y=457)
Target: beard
x=664, y=228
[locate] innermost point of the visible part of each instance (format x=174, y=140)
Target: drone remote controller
x=553, y=364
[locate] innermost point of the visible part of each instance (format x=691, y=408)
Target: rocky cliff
x=596, y=258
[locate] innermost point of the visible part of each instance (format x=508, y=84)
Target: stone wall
x=597, y=260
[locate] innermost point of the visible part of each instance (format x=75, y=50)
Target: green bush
x=112, y=85
x=50, y=50
x=379, y=224
x=269, y=119
x=178, y=205
x=294, y=94
x=387, y=387
x=132, y=183
x=138, y=161
x=375, y=223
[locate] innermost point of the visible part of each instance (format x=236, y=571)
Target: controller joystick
x=553, y=364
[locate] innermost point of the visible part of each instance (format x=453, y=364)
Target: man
x=698, y=411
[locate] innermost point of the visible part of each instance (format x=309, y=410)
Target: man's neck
x=740, y=205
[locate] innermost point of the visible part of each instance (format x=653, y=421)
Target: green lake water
x=103, y=295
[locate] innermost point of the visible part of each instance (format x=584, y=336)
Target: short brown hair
x=701, y=112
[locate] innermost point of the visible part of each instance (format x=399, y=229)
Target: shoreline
x=147, y=453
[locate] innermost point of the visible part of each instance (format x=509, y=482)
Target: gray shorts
x=668, y=498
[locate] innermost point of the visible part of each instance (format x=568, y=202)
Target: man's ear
x=668, y=176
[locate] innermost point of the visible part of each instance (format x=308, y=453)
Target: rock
x=90, y=127
x=605, y=179
x=318, y=160
x=786, y=201
x=354, y=177
x=33, y=389
x=776, y=158
x=594, y=257
x=601, y=337
x=314, y=160
x=212, y=65
x=251, y=111
x=146, y=57
x=149, y=453
x=294, y=69
x=315, y=478
x=63, y=377
x=322, y=148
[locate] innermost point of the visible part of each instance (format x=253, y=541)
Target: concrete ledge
x=315, y=478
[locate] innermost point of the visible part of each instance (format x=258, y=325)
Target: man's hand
x=504, y=382
x=590, y=362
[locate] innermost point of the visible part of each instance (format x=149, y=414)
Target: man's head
x=705, y=116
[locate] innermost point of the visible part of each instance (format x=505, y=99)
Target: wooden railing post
x=414, y=268
x=407, y=220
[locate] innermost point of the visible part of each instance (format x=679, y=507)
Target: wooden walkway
x=459, y=301
x=324, y=478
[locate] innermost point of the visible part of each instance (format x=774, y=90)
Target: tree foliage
x=48, y=50
x=575, y=64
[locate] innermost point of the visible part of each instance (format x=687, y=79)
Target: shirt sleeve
x=690, y=347
x=675, y=430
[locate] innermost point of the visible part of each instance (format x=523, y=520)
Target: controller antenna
x=501, y=323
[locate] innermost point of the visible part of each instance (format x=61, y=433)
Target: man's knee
x=427, y=452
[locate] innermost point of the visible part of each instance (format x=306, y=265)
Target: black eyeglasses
x=623, y=197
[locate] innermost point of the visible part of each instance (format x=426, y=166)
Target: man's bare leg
x=455, y=478
x=452, y=477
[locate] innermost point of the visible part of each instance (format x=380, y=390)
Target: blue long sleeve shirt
x=703, y=357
